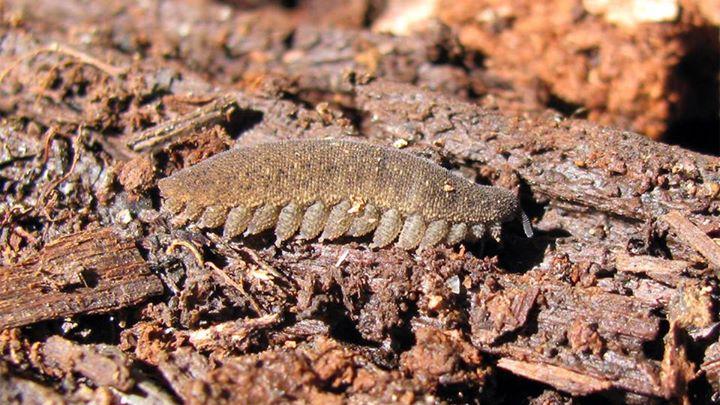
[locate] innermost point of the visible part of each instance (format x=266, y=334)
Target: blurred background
x=650, y=66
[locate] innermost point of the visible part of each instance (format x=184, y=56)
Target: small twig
x=189, y=246
x=221, y=273
x=165, y=132
x=48, y=142
x=10, y=214
x=266, y=268
x=694, y=237
x=82, y=57
x=343, y=255
x=51, y=186
x=111, y=70
x=228, y=280
x=19, y=230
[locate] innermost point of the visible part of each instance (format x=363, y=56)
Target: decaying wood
x=15, y=389
x=572, y=161
x=578, y=334
x=589, y=340
x=173, y=130
x=182, y=369
x=668, y=272
x=104, y=365
x=582, y=307
x=694, y=237
x=677, y=371
x=230, y=336
x=87, y=272
x=562, y=378
x=711, y=365
x=692, y=306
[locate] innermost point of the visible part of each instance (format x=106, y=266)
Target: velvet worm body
x=330, y=188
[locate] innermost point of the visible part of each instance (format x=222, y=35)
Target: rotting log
x=577, y=338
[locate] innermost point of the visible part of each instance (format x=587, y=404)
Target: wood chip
x=87, y=272
x=561, y=378
x=20, y=390
x=104, y=365
x=691, y=235
x=665, y=271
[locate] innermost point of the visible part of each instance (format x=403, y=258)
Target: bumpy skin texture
x=340, y=178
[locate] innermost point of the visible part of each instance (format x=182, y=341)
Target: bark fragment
x=104, y=365
x=87, y=272
x=690, y=234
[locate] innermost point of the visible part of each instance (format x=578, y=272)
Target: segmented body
x=331, y=188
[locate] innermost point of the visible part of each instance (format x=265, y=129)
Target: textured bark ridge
x=87, y=272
